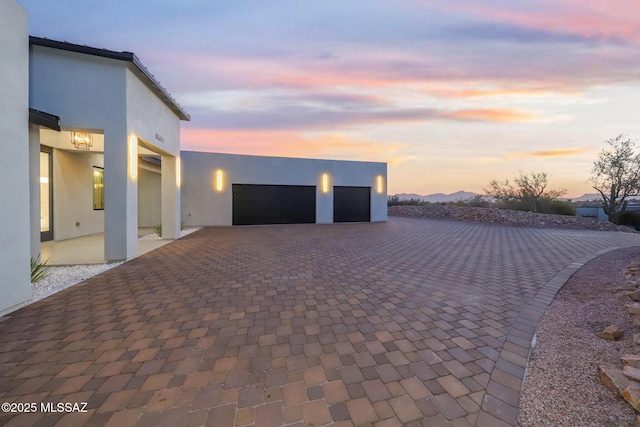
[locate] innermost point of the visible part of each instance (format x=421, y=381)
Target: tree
x=616, y=175
x=528, y=189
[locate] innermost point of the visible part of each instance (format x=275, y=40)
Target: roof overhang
x=44, y=119
x=138, y=69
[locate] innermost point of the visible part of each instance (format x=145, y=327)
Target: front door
x=46, y=194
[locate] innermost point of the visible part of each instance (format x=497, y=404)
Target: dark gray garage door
x=351, y=204
x=273, y=204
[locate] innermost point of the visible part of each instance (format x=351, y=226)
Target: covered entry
x=351, y=204
x=273, y=204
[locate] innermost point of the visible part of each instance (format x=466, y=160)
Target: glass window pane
x=45, y=223
x=98, y=188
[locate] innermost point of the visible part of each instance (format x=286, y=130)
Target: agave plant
x=158, y=229
x=39, y=269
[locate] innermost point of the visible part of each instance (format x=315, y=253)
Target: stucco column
x=170, y=197
x=15, y=244
x=121, y=195
x=34, y=189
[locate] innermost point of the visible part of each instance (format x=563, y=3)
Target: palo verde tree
x=527, y=189
x=616, y=175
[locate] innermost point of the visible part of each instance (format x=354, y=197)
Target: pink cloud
x=490, y=115
x=291, y=144
x=592, y=19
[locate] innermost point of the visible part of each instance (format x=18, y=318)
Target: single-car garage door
x=273, y=204
x=351, y=204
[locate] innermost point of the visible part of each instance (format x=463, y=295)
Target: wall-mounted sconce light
x=219, y=180
x=178, y=172
x=325, y=183
x=133, y=157
x=82, y=140
x=380, y=184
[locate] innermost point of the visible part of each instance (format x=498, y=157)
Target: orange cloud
x=290, y=144
x=560, y=152
x=490, y=115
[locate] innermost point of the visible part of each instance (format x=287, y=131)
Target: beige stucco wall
x=149, y=198
x=73, y=195
x=15, y=244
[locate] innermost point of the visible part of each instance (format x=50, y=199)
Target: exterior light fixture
x=379, y=184
x=219, y=180
x=325, y=183
x=178, y=172
x=133, y=157
x=82, y=140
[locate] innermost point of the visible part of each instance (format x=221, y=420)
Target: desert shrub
x=477, y=201
x=39, y=269
x=555, y=207
x=396, y=201
x=630, y=218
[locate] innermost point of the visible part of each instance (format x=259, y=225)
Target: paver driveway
x=407, y=322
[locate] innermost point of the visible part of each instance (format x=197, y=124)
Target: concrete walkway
x=409, y=322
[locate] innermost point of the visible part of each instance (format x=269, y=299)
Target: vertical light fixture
x=379, y=184
x=178, y=171
x=219, y=180
x=325, y=183
x=133, y=157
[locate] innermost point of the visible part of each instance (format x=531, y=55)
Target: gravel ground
x=504, y=216
x=61, y=278
x=562, y=386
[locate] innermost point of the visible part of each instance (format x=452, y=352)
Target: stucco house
x=91, y=145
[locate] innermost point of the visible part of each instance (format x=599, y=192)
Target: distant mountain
x=584, y=197
x=438, y=197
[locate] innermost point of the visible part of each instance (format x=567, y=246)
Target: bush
x=630, y=218
x=556, y=207
x=39, y=269
x=477, y=201
x=396, y=201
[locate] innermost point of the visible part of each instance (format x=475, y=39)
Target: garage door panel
x=273, y=204
x=351, y=204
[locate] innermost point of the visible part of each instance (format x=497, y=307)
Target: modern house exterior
x=91, y=144
x=229, y=189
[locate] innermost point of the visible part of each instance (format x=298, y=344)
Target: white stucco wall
x=73, y=195
x=15, y=243
x=103, y=94
x=151, y=120
x=149, y=198
x=87, y=91
x=203, y=205
x=34, y=188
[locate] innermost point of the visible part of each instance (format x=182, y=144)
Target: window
x=98, y=188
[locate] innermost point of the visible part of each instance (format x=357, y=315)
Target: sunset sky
x=451, y=94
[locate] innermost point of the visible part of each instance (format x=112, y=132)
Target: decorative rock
x=635, y=295
x=611, y=333
x=631, y=359
x=631, y=372
x=613, y=379
x=632, y=395
x=637, y=420
x=634, y=308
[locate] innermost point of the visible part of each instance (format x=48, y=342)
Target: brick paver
x=409, y=322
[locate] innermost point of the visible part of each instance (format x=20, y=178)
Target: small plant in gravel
x=39, y=269
x=158, y=228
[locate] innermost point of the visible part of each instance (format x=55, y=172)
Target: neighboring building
x=592, y=212
x=91, y=144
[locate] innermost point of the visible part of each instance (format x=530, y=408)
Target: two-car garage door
x=296, y=204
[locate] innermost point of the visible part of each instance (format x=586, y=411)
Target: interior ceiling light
x=82, y=140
